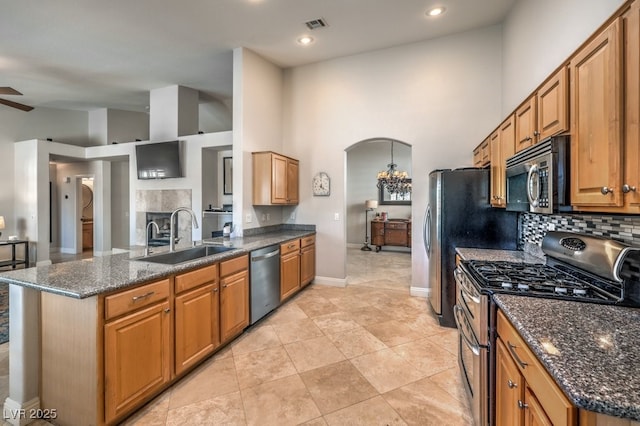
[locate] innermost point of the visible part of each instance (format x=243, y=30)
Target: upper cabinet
x=596, y=120
x=482, y=154
x=545, y=113
x=553, y=105
x=275, y=179
x=502, y=143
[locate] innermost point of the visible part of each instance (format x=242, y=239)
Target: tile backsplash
x=626, y=229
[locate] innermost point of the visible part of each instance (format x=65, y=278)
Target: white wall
x=440, y=96
x=539, y=35
x=17, y=125
x=257, y=126
x=120, y=204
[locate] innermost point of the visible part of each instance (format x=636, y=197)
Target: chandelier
x=393, y=180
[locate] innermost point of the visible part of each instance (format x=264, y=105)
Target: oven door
x=473, y=360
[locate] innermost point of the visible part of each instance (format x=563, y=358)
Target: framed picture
x=384, y=198
x=227, y=175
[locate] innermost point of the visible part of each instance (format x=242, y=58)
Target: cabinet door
x=197, y=328
x=632, y=105
x=477, y=156
x=496, y=168
x=307, y=264
x=508, y=388
x=289, y=275
x=137, y=358
x=553, y=105
x=234, y=305
x=278, y=179
x=534, y=414
x=292, y=181
x=526, y=133
x=596, y=120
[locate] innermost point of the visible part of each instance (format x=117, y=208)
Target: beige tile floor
x=366, y=354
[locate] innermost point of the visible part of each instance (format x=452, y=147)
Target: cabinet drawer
x=556, y=405
x=289, y=246
x=396, y=225
x=130, y=300
x=195, y=278
x=234, y=265
x=307, y=241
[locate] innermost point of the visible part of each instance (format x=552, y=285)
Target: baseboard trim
x=330, y=281
x=19, y=414
x=419, y=292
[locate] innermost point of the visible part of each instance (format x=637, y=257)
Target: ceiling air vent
x=314, y=24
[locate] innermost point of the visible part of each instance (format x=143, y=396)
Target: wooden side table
x=13, y=262
x=391, y=232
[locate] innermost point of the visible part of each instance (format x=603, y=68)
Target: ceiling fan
x=12, y=91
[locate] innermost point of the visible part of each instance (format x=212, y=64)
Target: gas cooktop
x=543, y=280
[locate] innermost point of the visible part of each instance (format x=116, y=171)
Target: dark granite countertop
x=493, y=255
x=591, y=350
x=103, y=274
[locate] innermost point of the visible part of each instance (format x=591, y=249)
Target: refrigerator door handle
x=426, y=230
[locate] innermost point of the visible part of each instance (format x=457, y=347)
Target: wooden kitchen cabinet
x=502, y=147
x=525, y=393
x=137, y=354
x=197, y=316
x=482, y=154
x=552, y=105
x=596, y=73
x=525, y=124
x=289, y=269
x=234, y=297
x=307, y=260
x=87, y=234
x=275, y=179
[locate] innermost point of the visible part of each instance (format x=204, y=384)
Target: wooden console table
x=392, y=232
x=13, y=262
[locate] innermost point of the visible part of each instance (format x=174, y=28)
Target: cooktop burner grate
x=543, y=280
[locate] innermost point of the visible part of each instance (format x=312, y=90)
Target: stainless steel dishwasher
x=265, y=281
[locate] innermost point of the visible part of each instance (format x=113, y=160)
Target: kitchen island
x=72, y=322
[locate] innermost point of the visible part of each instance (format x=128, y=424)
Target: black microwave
x=538, y=177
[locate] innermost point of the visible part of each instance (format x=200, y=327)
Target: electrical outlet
x=293, y=216
x=247, y=218
x=268, y=217
x=264, y=217
x=336, y=216
x=551, y=226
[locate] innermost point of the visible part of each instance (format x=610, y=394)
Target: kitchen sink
x=185, y=255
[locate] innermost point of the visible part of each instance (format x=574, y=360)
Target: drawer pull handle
x=515, y=355
x=144, y=296
x=511, y=384
x=291, y=246
x=215, y=290
x=606, y=190
x=522, y=405
x=167, y=310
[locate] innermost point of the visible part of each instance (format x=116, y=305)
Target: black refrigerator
x=459, y=215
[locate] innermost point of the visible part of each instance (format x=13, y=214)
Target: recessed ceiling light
x=436, y=11
x=305, y=40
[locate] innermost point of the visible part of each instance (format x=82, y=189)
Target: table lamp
x=369, y=205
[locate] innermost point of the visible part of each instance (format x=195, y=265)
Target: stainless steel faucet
x=146, y=248
x=194, y=222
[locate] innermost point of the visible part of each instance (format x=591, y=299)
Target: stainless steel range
x=578, y=267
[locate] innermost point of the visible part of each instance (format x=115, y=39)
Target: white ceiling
x=93, y=54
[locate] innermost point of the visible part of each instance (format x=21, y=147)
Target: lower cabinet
x=234, y=297
x=289, y=269
x=197, y=316
x=525, y=393
x=307, y=260
x=137, y=359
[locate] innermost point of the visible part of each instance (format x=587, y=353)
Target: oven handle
x=465, y=287
x=457, y=310
x=533, y=201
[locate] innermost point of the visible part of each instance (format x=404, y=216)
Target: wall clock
x=321, y=184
